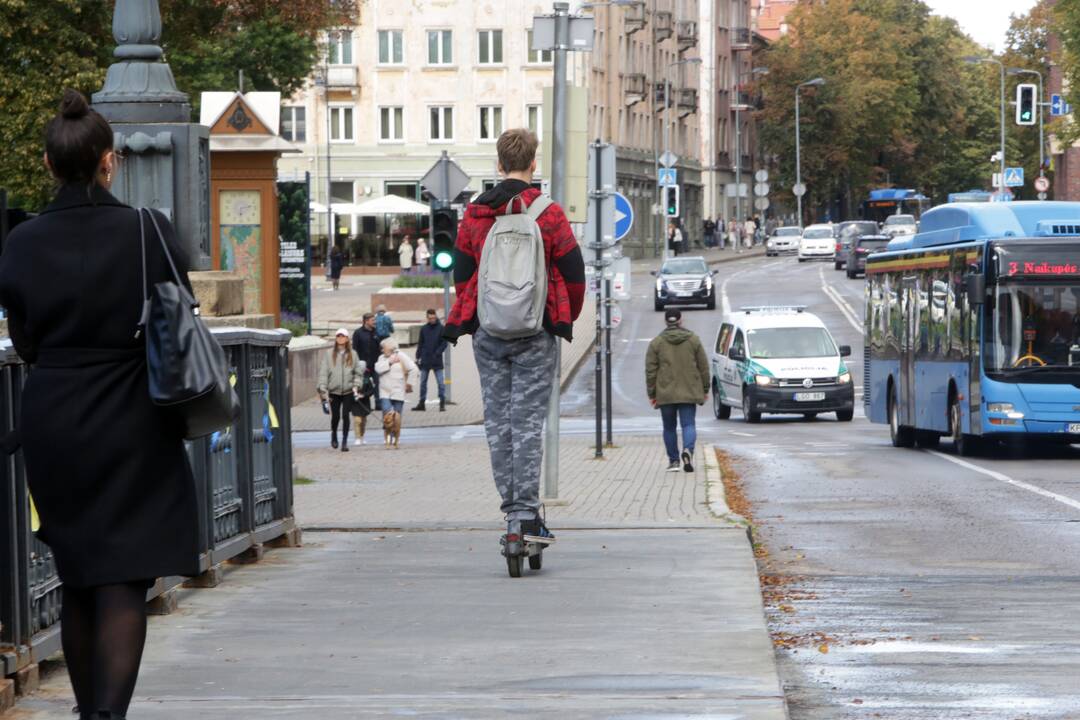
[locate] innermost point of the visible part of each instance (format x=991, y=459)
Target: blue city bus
x=973, y=327
x=884, y=202
x=971, y=196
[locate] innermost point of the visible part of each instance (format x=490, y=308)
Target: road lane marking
x=740, y=434
x=725, y=306
x=845, y=309
x=1064, y=500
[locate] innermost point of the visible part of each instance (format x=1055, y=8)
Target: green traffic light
x=444, y=260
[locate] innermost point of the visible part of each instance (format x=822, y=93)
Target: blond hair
x=517, y=150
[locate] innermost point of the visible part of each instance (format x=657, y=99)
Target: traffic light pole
x=448, y=375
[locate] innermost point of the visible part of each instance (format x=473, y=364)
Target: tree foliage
x=48, y=45
x=899, y=107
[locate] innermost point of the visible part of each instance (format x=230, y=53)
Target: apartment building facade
x=411, y=80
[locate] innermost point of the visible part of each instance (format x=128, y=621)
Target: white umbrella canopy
x=390, y=205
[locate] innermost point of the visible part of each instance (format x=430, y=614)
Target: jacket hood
x=676, y=335
x=491, y=203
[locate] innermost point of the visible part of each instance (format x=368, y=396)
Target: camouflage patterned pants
x=515, y=379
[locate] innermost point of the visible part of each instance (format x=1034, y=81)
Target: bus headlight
x=1006, y=409
x=764, y=380
x=844, y=378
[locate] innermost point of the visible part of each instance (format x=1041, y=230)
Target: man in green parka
x=677, y=379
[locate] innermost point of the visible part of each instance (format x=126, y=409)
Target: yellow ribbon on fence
x=35, y=521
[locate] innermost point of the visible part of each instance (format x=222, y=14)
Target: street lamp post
x=667, y=111
x=798, y=149
x=1042, y=156
x=738, y=138
x=975, y=60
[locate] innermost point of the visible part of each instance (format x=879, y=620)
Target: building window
x=294, y=123
x=440, y=47
x=534, y=116
x=341, y=124
x=491, y=122
x=391, y=47
x=490, y=47
x=339, y=44
x=442, y=124
x=391, y=123
x=536, y=57
x=341, y=192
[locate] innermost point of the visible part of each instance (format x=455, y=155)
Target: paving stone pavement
x=450, y=485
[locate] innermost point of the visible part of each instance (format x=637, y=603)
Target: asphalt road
x=913, y=584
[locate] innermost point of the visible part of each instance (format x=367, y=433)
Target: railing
x=243, y=480
x=634, y=85
x=687, y=34
x=742, y=101
x=741, y=38
x=663, y=25
x=343, y=76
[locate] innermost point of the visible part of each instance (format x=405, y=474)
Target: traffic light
x=1025, y=104
x=443, y=237
x=671, y=200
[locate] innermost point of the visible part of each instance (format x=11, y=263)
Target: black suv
x=684, y=281
x=846, y=235
x=862, y=248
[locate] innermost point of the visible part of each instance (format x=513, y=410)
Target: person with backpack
x=429, y=356
x=677, y=381
x=520, y=281
x=384, y=324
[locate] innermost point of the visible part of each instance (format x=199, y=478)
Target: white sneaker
x=359, y=442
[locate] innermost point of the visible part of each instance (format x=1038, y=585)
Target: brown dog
x=391, y=428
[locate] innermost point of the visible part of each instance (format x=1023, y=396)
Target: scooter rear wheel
x=536, y=561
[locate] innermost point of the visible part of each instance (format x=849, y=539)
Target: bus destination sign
x=1040, y=266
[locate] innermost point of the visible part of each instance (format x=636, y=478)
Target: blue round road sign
x=624, y=216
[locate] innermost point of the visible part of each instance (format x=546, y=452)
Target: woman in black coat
x=106, y=467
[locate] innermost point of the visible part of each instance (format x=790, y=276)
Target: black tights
x=103, y=630
x=339, y=411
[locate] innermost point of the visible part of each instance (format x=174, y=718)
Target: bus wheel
x=902, y=436
x=963, y=445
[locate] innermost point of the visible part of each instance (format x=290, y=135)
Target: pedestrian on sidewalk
x=337, y=264
x=721, y=233
x=105, y=465
x=676, y=236
x=423, y=255
x=677, y=380
x=710, y=233
x=366, y=345
x=341, y=375
x=429, y=356
x=397, y=375
x=517, y=374
x=384, y=324
x=749, y=232
x=735, y=235
x=405, y=255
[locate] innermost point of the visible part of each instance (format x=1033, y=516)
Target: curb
x=715, y=498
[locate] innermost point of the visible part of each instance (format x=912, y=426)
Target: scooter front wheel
x=513, y=565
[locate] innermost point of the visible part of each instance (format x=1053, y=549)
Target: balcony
x=687, y=34
x=341, y=76
x=741, y=101
x=662, y=25
x=741, y=38
x=688, y=101
x=634, y=88
x=634, y=18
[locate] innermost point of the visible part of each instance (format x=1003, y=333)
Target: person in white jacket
x=397, y=374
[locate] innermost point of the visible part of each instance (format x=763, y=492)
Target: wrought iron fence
x=243, y=477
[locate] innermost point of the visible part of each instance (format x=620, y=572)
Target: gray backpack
x=512, y=281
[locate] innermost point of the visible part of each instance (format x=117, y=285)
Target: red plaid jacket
x=566, y=268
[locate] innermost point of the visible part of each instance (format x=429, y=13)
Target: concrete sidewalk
x=648, y=606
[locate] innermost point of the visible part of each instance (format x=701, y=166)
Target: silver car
x=783, y=240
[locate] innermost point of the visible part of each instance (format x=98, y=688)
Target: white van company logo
x=808, y=383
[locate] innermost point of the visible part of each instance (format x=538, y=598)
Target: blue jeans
x=424, y=372
x=684, y=414
x=386, y=405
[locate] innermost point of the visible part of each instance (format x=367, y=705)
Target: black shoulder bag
x=187, y=367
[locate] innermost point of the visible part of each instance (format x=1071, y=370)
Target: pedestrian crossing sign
x=1014, y=177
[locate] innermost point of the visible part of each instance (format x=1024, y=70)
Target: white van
x=779, y=360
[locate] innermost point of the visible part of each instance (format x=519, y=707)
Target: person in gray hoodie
x=677, y=380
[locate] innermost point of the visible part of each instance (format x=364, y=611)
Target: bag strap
x=540, y=204
x=145, y=317
x=510, y=205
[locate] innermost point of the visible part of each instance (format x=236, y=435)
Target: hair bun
x=74, y=105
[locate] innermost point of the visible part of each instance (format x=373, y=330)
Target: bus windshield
x=794, y=342
x=1034, y=327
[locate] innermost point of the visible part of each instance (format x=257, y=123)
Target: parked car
x=900, y=225
x=847, y=233
x=818, y=242
x=783, y=240
x=684, y=281
x=861, y=249
x=779, y=360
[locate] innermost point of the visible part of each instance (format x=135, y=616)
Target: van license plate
x=1073, y=429
x=809, y=397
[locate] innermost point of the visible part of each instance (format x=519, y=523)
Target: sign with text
x=295, y=256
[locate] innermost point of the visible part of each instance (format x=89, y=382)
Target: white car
x=900, y=225
x=783, y=239
x=817, y=243
x=779, y=360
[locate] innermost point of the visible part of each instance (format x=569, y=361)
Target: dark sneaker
x=536, y=531
x=674, y=466
x=333, y=442
x=345, y=447
x=687, y=466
